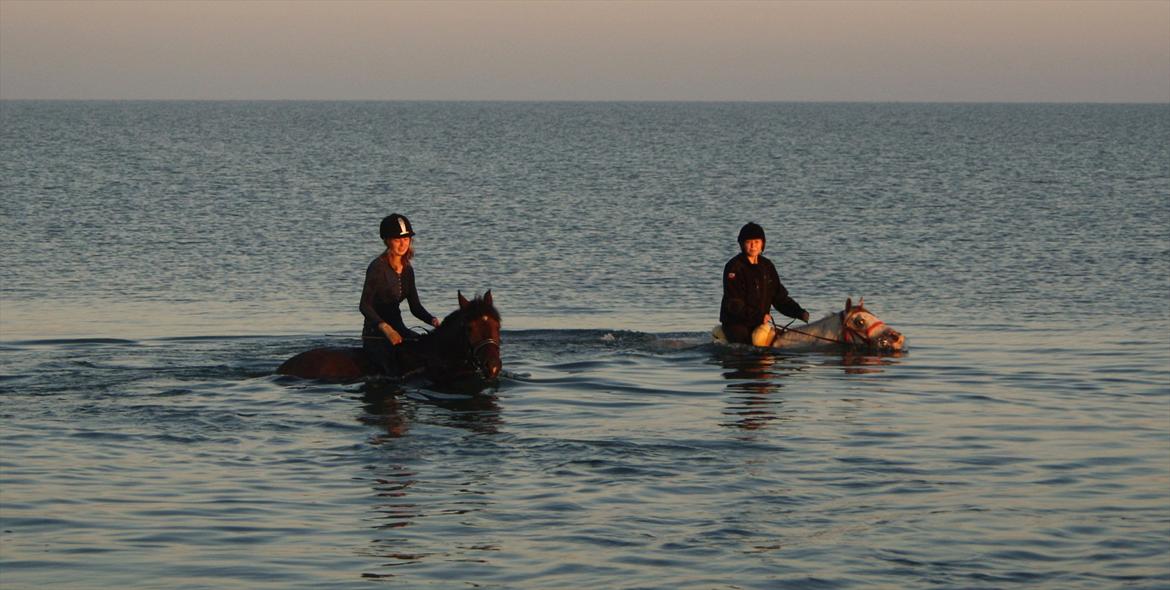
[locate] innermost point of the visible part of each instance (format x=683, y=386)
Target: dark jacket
x=382, y=292
x=750, y=290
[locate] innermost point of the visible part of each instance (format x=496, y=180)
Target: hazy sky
x=789, y=51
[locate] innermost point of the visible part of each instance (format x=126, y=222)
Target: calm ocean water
x=160, y=259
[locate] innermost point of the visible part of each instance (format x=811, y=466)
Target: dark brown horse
x=465, y=346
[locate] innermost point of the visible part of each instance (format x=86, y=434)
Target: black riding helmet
x=751, y=231
x=395, y=226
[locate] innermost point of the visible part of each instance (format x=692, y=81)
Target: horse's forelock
x=474, y=308
x=479, y=306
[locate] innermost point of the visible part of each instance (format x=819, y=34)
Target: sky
x=948, y=51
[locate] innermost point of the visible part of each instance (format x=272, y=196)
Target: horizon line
x=597, y=101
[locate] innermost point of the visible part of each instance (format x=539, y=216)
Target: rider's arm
x=416, y=306
x=369, y=289
x=782, y=302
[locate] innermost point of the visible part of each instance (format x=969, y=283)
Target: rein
x=849, y=333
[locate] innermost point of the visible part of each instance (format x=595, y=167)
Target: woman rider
x=751, y=287
x=389, y=280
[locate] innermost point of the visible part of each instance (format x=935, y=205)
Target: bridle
x=474, y=349
x=849, y=334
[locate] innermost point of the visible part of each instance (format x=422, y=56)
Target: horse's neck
x=443, y=340
x=824, y=329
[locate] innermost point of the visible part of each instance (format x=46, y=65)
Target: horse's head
x=480, y=325
x=860, y=327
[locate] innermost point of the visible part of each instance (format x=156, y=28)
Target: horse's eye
x=859, y=321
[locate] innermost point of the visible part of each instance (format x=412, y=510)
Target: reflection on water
x=424, y=479
x=381, y=408
x=394, y=407
x=755, y=377
x=753, y=401
x=860, y=363
x=392, y=509
x=619, y=464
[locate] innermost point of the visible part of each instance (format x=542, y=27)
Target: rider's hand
x=767, y=318
x=435, y=322
x=804, y=317
x=394, y=337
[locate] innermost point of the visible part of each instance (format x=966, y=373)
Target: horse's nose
x=492, y=368
x=897, y=339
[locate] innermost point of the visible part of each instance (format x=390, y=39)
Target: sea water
x=158, y=260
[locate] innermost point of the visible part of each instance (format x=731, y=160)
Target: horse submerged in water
x=853, y=328
x=466, y=345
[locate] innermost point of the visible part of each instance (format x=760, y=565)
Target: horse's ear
x=848, y=303
x=462, y=300
x=861, y=302
x=487, y=297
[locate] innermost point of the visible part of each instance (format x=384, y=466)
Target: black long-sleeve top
x=382, y=292
x=750, y=290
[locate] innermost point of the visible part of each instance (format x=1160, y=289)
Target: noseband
x=478, y=346
x=850, y=334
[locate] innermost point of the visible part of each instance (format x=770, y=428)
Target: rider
x=751, y=288
x=389, y=280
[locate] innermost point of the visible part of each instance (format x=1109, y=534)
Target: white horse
x=855, y=327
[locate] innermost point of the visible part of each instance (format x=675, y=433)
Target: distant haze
x=1117, y=51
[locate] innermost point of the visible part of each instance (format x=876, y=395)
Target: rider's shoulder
x=737, y=260
x=377, y=262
